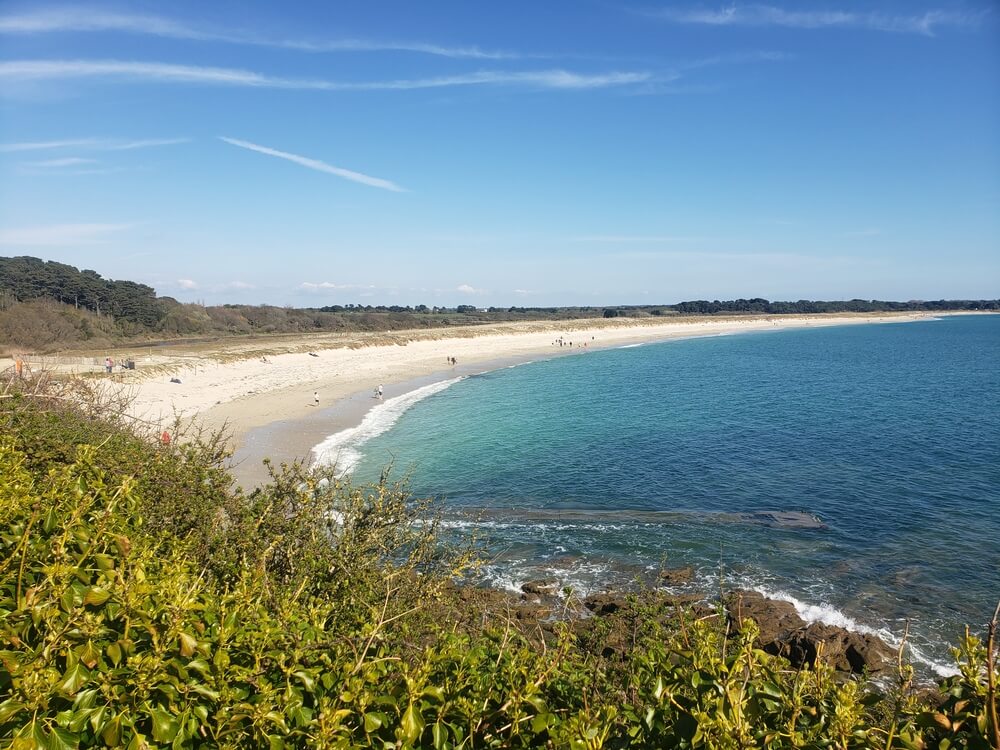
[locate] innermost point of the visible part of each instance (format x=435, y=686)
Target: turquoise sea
x=881, y=443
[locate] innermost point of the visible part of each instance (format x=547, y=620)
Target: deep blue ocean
x=880, y=442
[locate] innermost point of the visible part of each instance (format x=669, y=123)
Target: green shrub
x=144, y=604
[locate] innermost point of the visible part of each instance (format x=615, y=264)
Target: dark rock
x=844, y=650
x=540, y=586
x=773, y=618
x=604, y=604
x=784, y=633
x=674, y=576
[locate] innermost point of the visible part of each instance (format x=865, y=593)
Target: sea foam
x=343, y=449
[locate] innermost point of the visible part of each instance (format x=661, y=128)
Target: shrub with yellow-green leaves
x=311, y=613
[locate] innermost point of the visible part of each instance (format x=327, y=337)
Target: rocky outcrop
x=784, y=633
x=676, y=576
x=842, y=649
x=604, y=604
x=774, y=618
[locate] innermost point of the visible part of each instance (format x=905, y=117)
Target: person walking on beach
x=316, y=398
x=109, y=364
x=378, y=392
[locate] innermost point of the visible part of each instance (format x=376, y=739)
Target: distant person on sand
x=316, y=397
x=109, y=364
x=378, y=392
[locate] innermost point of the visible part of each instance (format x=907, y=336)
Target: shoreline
x=265, y=401
x=252, y=388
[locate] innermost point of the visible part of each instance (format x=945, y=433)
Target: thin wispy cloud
x=634, y=238
x=93, y=144
x=735, y=58
x=469, y=289
x=316, y=164
x=69, y=161
x=187, y=283
x=76, y=20
x=55, y=235
x=148, y=143
x=925, y=23
x=40, y=70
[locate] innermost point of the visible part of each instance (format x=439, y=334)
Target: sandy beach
x=279, y=397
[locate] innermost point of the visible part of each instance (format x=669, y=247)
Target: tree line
x=50, y=305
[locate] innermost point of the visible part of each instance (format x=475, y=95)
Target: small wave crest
x=630, y=346
x=583, y=577
x=343, y=449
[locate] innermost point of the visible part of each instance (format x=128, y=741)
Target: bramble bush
x=143, y=603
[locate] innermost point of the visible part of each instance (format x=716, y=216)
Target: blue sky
x=515, y=153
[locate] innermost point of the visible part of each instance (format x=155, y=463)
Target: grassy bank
x=144, y=603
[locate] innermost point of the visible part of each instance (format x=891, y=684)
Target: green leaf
x=412, y=725
x=115, y=653
x=75, y=678
x=88, y=654
x=61, y=739
x=440, y=735
x=112, y=732
x=541, y=722
x=96, y=596
x=165, y=726
x=769, y=688
x=9, y=708
x=537, y=701
x=85, y=698
x=307, y=682
x=205, y=692
x=434, y=692
x=373, y=721
x=188, y=644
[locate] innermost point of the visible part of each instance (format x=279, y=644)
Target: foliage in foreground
x=328, y=621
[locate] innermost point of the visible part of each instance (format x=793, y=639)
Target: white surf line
x=343, y=449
